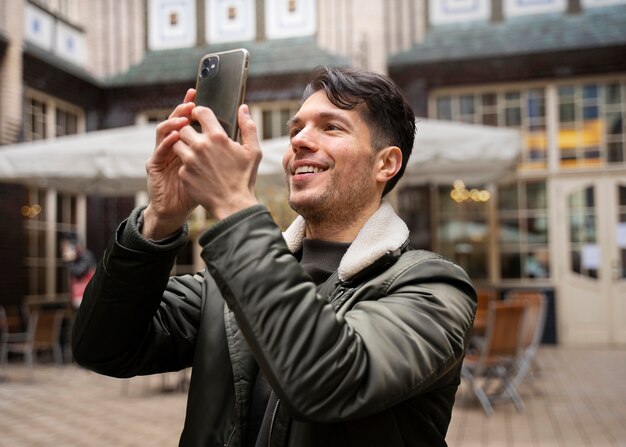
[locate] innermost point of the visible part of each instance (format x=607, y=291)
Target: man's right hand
x=169, y=206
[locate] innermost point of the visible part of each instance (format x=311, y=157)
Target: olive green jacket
x=370, y=358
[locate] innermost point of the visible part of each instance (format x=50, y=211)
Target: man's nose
x=304, y=140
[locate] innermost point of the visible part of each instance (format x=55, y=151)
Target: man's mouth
x=307, y=170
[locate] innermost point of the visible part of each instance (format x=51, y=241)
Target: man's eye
x=293, y=132
x=332, y=127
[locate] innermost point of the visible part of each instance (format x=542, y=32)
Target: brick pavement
x=69, y=406
x=578, y=398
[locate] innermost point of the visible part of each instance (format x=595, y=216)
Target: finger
x=183, y=109
x=208, y=121
x=250, y=140
x=163, y=150
x=182, y=150
x=190, y=96
x=249, y=135
x=164, y=128
x=189, y=135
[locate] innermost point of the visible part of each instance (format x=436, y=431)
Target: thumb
x=249, y=137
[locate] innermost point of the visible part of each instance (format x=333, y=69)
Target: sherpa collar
x=384, y=231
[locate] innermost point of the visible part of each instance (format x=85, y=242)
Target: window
x=523, y=230
x=462, y=230
x=414, y=206
x=523, y=109
x=35, y=122
x=47, y=274
x=591, y=129
x=66, y=123
x=66, y=220
x=583, y=231
x=33, y=211
x=274, y=119
x=48, y=117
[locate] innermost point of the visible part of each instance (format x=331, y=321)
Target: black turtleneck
x=320, y=258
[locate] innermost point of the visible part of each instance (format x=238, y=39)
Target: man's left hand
x=217, y=172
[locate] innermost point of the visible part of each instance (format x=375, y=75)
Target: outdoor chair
x=485, y=296
x=532, y=333
x=42, y=333
x=488, y=368
x=22, y=342
x=48, y=333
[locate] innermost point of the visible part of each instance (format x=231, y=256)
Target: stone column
x=11, y=91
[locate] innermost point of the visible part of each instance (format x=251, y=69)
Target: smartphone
x=221, y=86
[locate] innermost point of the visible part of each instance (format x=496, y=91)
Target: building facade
x=552, y=69
x=556, y=71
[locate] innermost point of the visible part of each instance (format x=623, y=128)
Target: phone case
x=221, y=86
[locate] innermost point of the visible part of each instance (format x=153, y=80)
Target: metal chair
x=493, y=360
x=534, y=323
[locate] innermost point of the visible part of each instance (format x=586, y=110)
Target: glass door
x=618, y=260
x=590, y=253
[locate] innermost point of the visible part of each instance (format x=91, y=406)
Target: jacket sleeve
x=135, y=319
x=328, y=366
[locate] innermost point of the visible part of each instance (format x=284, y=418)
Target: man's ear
x=388, y=162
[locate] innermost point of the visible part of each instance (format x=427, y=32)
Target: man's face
x=330, y=163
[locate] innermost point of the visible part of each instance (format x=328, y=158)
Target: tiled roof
x=595, y=28
x=280, y=56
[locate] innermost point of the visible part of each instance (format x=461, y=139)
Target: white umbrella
x=112, y=162
x=109, y=162
x=445, y=151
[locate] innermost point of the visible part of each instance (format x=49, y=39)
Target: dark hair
x=391, y=120
x=72, y=238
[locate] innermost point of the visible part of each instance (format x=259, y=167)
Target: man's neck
x=339, y=230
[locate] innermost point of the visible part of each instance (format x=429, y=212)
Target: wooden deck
x=577, y=397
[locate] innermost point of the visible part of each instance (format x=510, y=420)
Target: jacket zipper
x=340, y=297
x=338, y=294
x=269, y=439
x=230, y=437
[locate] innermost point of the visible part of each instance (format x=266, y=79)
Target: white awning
x=112, y=162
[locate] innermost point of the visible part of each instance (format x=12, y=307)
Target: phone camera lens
x=210, y=66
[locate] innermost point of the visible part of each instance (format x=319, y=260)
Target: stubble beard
x=337, y=205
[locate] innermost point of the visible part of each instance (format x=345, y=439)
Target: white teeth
x=307, y=169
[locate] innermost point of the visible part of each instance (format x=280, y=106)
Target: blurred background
x=520, y=171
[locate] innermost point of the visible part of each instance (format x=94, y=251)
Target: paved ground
x=578, y=398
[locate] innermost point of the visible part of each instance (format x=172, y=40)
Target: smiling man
x=334, y=333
